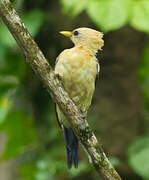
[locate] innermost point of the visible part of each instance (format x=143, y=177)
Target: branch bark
x=44, y=71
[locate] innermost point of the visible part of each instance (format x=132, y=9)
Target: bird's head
x=87, y=37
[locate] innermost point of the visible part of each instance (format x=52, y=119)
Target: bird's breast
x=78, y=73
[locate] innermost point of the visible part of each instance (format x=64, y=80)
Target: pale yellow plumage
x=77, y=68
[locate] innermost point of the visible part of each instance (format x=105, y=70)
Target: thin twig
x=44, y=71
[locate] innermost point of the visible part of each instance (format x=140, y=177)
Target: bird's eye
x=76, y=33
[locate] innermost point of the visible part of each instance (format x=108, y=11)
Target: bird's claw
x=83, y=114
x=58, y=76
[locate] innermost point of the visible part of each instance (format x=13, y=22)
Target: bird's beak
x=66, y=33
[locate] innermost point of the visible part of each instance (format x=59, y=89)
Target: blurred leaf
x=20, y=131
x=144, y=80
x=13, y=66
x=140, y=15
x=18, y=4
x=144, y=67
x=2, y=55
x=33, y=20
x=74, y=6
x=8, y=80
x=5, y=104
x=115, y=161
x=138, y=156
x=112, y=14
x=109, y=14
x=28, y=171
x=49, y=167
x=8, y=86
x=83, y=167
x=6, y=37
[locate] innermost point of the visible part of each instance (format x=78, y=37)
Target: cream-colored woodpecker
x=78, y=67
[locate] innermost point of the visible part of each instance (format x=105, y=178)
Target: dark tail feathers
x=71, y=147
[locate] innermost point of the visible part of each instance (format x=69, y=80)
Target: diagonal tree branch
x=44, y=71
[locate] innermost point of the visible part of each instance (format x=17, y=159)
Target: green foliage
x=33, y=20
x=138, y=156
x=109, y=15
x=74, y=6
x=140, y=15
x=50, y=167
x=112, y=14
x=20, y=131
x=144, y=79
x=115, y=161
x=5, y=104
x=28, y=171
x=6, y=37
x=30, y=21
x=139, y=150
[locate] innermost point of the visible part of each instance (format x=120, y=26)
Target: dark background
x=32, y=145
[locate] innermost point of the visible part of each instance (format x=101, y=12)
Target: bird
x=77, y=68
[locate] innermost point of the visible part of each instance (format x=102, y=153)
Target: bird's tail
x=71, y=147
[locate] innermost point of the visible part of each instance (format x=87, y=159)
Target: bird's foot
x=59, y=77
x=83, y=114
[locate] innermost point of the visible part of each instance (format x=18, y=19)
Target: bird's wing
x=97, y=72
x=56, y=60
x=97, y=67
x=59, y=123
